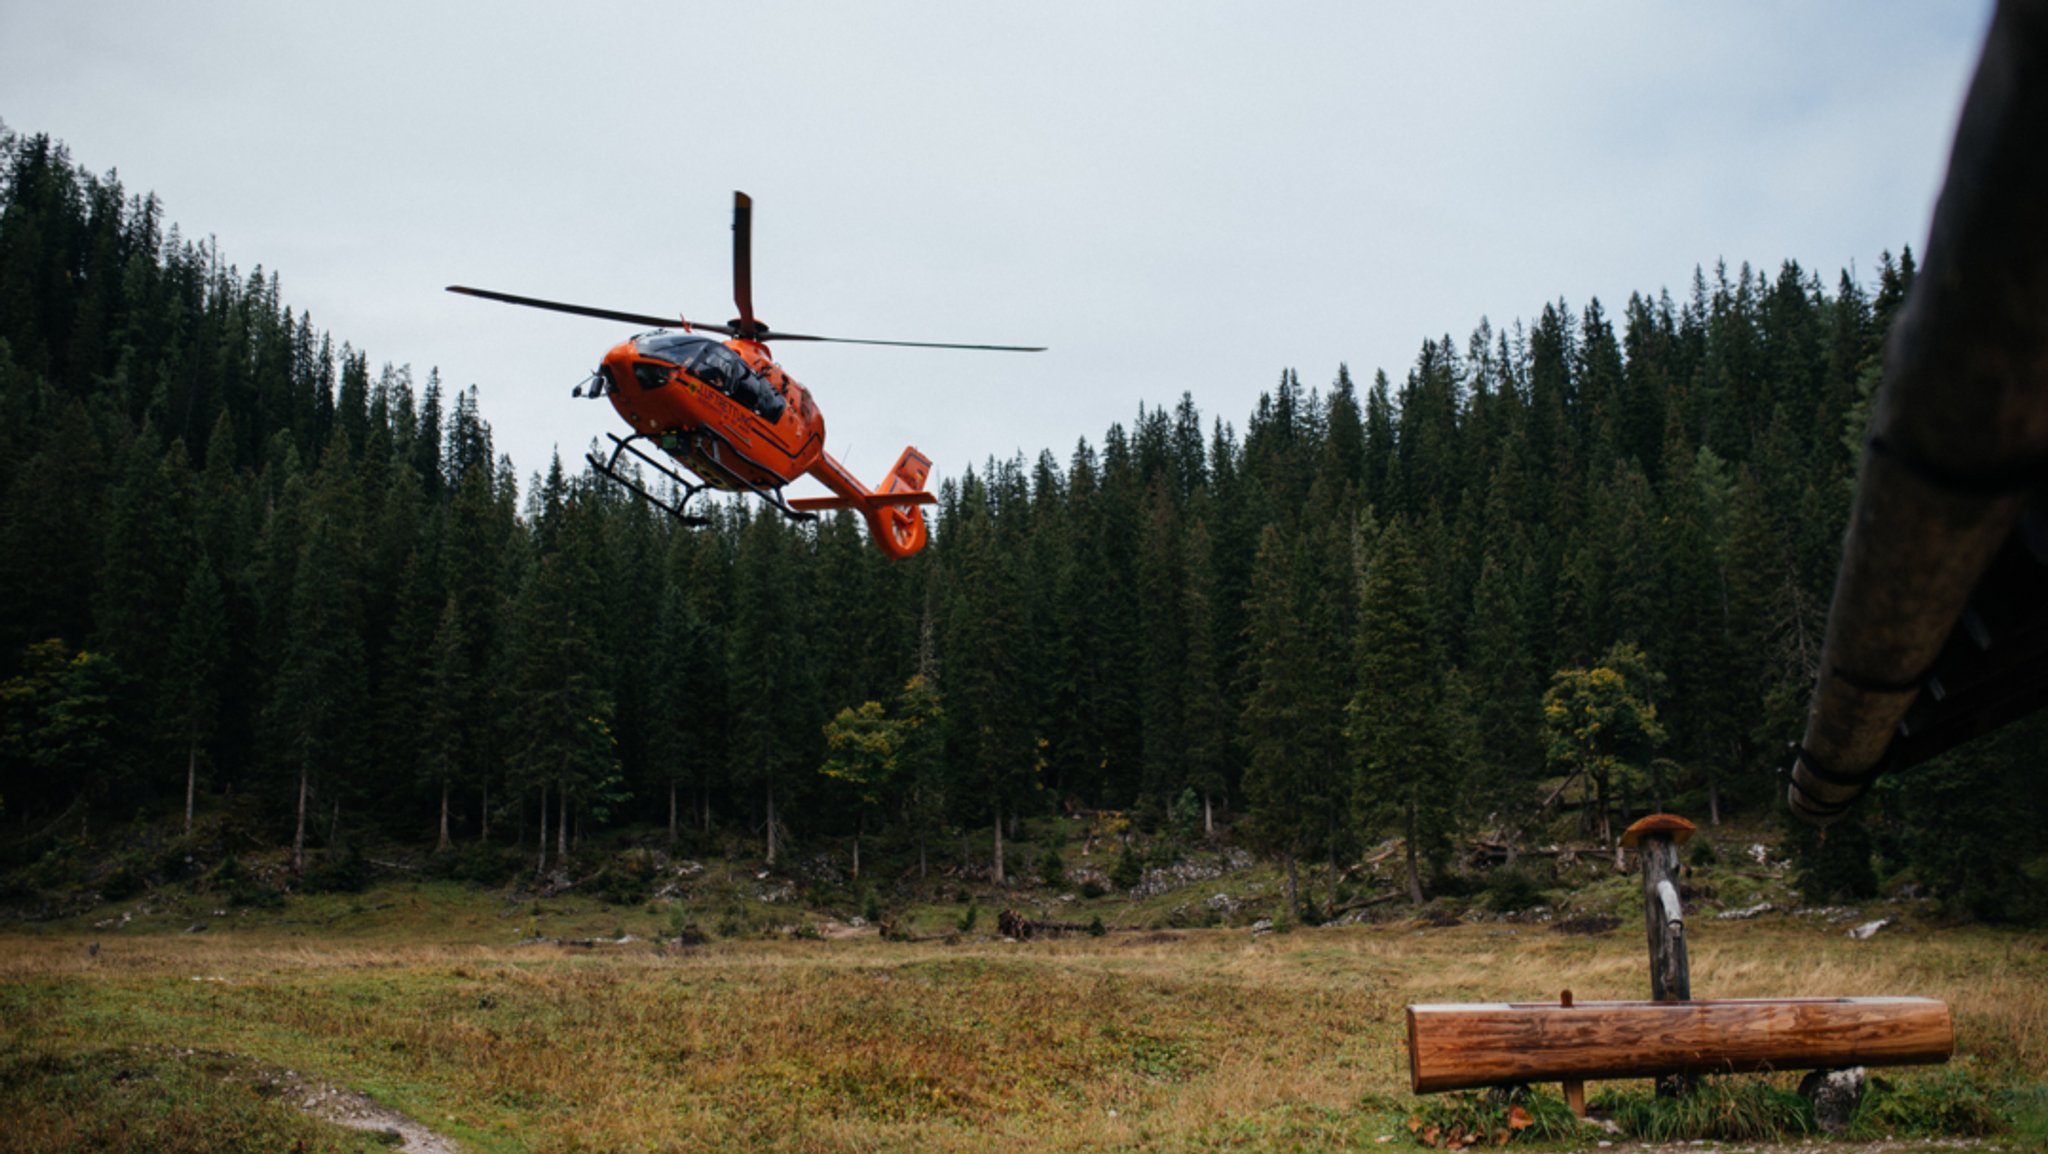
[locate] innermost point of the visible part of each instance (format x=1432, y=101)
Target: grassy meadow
x=462, y=1008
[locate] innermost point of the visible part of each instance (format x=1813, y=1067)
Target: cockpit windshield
x=675, y=348
x=717, y=366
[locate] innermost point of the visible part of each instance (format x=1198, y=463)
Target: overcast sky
x=1174, y=196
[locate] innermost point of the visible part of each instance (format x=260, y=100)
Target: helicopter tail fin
x=907, y=476
x=891, y=510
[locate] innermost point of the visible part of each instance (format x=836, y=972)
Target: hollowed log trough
x=1466, y=1046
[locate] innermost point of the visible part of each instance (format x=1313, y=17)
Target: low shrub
x=240, y=887
x=57, y=866
x=1946, y=1103
x=478, y=862
x=1512, y=890
x=627, y=879
x=130, y=876
x=1129, y=869
x=1052, y=869
x=732, y=923
x=1185, y=817
x=338, y=871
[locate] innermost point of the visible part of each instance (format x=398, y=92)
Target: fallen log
x=1465, y=1046
x=1011, y=924
x=1362, y=904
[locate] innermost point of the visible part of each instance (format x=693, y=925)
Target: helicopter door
x=729, y=373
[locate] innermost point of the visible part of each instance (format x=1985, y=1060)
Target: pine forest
x=1576, y=562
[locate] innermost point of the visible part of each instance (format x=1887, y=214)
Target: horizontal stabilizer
x=866, y=503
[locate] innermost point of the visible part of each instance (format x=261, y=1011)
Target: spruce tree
x=921, y=762
x=50, y=534
x=763, y=668
x=1501, y=672
x=1281, y=799
x=1204, y=711
x=988, y=700
x=559, y=724
x=141, y=581
x=1162, y=653
x=317, y=709
x=443, y=735
x=194, y=666
x=1407, y=777
x=685, y=681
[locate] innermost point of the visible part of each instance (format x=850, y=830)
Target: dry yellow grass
x=1194, y=1040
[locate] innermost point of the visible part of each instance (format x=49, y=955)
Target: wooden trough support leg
x=1574, y=1090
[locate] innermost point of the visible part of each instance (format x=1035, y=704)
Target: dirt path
x=337, y=1104
x=357, y=1111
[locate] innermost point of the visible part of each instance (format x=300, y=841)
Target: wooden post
x=1658, y=838
x=1574, y=1089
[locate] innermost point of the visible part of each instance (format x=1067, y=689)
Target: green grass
x=1199, y=1039
x=782, y=1027
x=1734, y=1109
x=151, y=1101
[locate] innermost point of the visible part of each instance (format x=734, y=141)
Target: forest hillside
x=1570, y=567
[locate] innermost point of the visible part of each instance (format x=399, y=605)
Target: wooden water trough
x=1671, y=1037
x=1466, y=1046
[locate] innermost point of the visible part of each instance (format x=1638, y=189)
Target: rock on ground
x=1835, y=1094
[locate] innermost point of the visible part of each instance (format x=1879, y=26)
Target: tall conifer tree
x=1407, y=776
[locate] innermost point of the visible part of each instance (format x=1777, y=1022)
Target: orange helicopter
x=728, y=413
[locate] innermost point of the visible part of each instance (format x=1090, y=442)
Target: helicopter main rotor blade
x=743, y=260
x=766, y=337
x=756, y=333
x=586, y=310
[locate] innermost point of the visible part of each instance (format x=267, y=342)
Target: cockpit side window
x=765, y=401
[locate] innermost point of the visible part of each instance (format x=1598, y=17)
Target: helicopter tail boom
x=891, y=511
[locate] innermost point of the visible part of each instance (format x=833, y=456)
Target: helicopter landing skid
x=609, y=467
x=625, y=445
x=718, y=446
